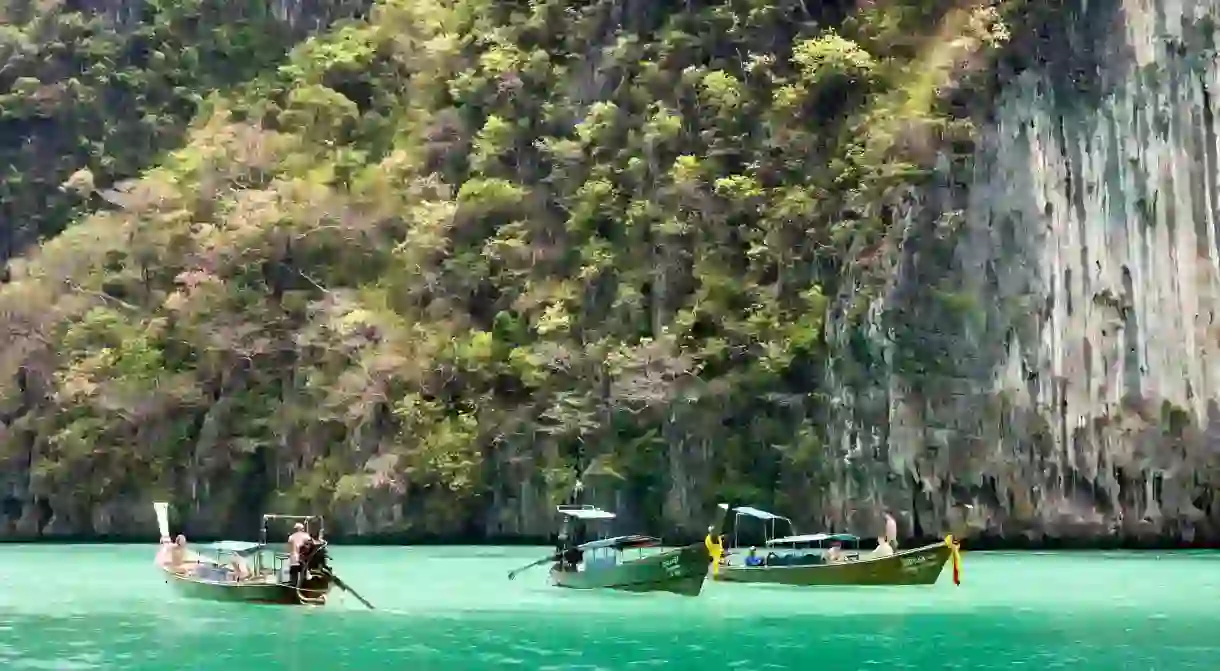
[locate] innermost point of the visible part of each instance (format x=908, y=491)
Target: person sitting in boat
x=752, y=558
x=570, y=559
x=164, y=551
x=240, y=570
x=883, y=548
x=835, y=554
x=295, y=543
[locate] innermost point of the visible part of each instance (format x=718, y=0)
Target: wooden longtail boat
x=605, y=564
x=806, y=560
x=252, y=572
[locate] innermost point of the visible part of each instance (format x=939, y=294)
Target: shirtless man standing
x=178, y=558
x=295, y=542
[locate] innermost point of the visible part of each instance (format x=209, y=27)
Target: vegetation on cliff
x=436, y=258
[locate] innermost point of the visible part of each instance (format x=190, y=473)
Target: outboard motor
x=571, y=558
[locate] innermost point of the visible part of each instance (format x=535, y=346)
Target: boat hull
x=681, y=571
x=919, y=566
x=313, y=592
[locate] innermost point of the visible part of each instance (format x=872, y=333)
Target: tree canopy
x=432, y=259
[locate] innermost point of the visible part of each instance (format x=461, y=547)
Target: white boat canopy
x=232, y=547
x=758, y=514
x=585, y=513
x=812, y=538
x=620, y=542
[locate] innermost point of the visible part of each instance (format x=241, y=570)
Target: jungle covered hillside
x=419, y=264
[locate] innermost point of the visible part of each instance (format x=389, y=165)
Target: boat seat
x=212, y=574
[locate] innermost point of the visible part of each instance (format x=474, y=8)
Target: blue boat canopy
x=232, y=547
x=757, y=513
x=620, y=542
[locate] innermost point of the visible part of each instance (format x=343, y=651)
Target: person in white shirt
x=295, y=542
x=835, y=554
x=883, y=548
x=241, y=570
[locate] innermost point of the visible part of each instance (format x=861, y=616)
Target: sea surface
x=452, y=608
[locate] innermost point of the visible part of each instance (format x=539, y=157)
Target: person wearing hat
x=296, y=541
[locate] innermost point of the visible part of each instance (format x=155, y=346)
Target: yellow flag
x=716, y=550
x=956, y=556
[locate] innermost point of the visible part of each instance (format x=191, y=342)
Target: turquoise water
x=105, y=607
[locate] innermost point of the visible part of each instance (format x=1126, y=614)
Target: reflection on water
x=105, y=607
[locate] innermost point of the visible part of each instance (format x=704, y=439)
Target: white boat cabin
x=789, y=550
x=237, y=561
x=604, y=551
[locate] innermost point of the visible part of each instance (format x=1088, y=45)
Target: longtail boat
x=250, y=572
x=604, y=563
x=820, y=558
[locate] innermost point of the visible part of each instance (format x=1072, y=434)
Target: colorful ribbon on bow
x=716, y=549
x=956, y=555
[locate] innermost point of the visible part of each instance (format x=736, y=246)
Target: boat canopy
x=233, y=547
x=620, y=542
x=757, y=513
x=585, y=512
x=296, y=518
x=812, y=538
x=308, y=520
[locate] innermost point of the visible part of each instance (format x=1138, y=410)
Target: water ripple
x=453, y=609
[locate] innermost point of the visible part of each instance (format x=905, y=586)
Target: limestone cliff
x=1080, y=392
x=420, y=270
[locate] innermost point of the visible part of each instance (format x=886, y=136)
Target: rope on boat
x=300, y=588
x=310, y=601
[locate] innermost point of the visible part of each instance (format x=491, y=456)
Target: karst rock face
x=1040, y=364
x=1077, y=396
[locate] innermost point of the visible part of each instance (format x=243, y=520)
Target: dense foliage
x=447, y=255
x=87, y=98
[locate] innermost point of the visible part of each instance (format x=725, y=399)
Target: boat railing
x=311, y=522
x=601, y=561
x=788, y=556
x=279, y=566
